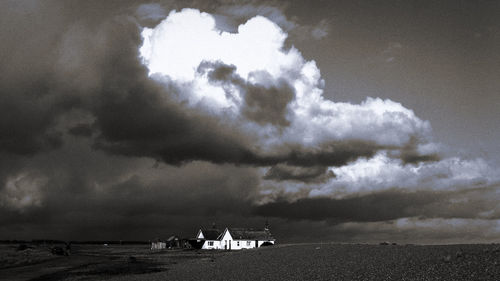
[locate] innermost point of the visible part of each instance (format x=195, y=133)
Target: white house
x=209, y=238
x=243, y=238
x=234, y=238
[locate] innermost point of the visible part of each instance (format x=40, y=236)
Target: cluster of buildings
x=214, y=239
x=172, y=242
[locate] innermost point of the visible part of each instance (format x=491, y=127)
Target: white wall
x=158, y=245
x=246, y=244
x=226, y=241
x=216, y=245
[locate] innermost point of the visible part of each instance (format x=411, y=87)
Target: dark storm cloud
x=410, y=154
x=415, y=157
x=206, y=194
x=49, y=65
x=177, y=139
x=387, y=205
x=110, y=197
x=380, y=206
x=329, y=154
x=268, y=104
x=264, y=103
x=282, y=172
x=84, y=130
x=29, y=100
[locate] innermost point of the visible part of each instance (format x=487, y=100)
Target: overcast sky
x=346, y=121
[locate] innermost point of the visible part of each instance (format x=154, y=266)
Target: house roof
x=250, y=234
x=211, y=234
x=173, y=237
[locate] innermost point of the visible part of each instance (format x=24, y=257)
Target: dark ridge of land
x=280, y=262
x=90, y=242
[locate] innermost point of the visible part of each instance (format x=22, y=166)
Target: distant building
x=233, y=238
x=173, y=242
x=158, y=245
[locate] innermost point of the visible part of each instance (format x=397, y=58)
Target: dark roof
x=173, y=237
x=250, y=234
x=210, y=234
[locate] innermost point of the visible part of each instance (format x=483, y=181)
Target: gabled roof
x=250, y=234
x=210, y=234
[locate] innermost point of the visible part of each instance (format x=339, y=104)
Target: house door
x=229, y=244
x=256, y=243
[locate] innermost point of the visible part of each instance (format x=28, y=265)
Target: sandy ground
x=281, y=262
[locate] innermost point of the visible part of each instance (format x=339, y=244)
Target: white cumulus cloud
x=187, y=39
x=381, y=172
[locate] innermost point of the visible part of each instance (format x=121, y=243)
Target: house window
x=210, y=243
x=248, y=243
x=238, y=243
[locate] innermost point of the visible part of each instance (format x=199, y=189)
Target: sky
x=335, y=121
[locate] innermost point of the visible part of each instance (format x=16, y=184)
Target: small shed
x=173, y=242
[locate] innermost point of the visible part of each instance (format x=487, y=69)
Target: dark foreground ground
x=281, y=262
